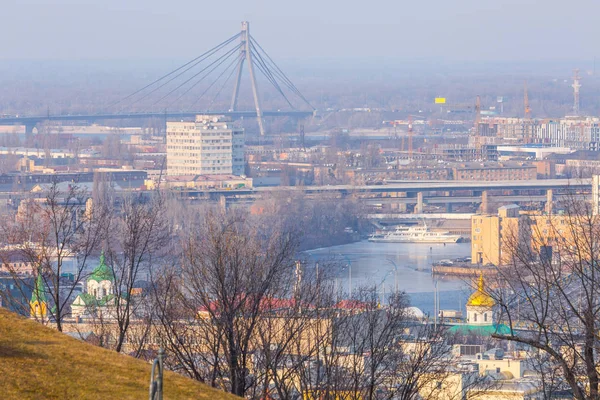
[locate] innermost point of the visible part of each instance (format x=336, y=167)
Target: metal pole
x=438, y=299
x=435, y=314
x=161, y=354
x=395, y=274
x=350, y=279
x=349, y=263
x=156, y=377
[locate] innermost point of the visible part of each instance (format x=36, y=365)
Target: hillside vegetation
x=37, y=362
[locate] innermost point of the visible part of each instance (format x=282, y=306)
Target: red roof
x=351, y=305
x=268, y=303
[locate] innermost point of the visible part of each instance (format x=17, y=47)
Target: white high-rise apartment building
x=211, y=145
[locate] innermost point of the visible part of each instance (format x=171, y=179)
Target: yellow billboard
x=440, y=100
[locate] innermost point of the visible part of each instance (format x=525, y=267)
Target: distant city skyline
x=305, y=32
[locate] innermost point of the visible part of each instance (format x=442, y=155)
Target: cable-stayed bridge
x=199, y=87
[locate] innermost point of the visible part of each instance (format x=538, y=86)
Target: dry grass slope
x=37, y=362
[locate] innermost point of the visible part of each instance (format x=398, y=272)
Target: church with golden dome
x=38, y=303
x=480, y=314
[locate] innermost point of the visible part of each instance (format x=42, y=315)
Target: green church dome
x=39, y=291
x=102, y=272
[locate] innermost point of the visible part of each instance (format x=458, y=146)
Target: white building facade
x=211, y=145
x=578, y=133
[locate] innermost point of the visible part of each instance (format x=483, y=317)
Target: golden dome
x=480, y=298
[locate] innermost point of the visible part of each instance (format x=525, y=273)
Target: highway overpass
x=410, y=192
x=442, y=186
x=408, y=189
x=416, y=192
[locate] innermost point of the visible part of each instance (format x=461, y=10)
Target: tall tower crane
x=477, y=121
x=410, y=138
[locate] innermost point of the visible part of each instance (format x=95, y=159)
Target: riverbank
x=406, y=266
x=462, y=270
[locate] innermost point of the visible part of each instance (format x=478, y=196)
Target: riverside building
x=210, y=145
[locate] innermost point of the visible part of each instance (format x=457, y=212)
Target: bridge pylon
x=246, y=55
x=29, y=127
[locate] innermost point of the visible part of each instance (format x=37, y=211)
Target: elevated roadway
x=411, y=187
x=31, y=121
x=419, y=193
x=444, y=186
x=472, y=199
x=421, y=216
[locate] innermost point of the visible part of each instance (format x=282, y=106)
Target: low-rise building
x=200, y=182
x=496, y=237
x=495, y=172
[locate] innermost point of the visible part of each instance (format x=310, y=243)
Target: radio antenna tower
x=527, y=121
x=576, y=85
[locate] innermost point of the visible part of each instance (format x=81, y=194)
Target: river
x=373, y=264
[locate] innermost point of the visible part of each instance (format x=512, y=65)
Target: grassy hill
x=37, y=362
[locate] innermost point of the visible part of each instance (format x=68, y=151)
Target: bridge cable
x=226, y=55
x=295, y=89
x=174, y=71
x=234, y=62
x=274, y=71
x=240, y=59
x=203, y=77
x=261, y=65
x=289, y=85
x=196, y=61
x=267, y=71
x=279, y=73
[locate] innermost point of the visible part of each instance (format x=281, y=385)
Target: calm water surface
x=372, y=264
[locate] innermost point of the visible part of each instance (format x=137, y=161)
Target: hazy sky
x=445, y=30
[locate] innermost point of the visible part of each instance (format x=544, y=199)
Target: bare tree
x=232, y=269
x=383, y=352
x=548, y=291
x=56, y=236
x=136, y=237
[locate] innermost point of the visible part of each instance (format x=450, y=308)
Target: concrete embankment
x=462, y=270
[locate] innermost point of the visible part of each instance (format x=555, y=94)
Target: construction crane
x=409, y=122
x=526, y=103
x=396, y=123
x=410, y=138
x=477, y=121
x=402, y=144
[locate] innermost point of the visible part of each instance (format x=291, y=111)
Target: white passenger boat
x=414, y=234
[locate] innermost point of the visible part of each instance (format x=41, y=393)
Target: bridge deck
x=425, y=186
x=28, y=120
